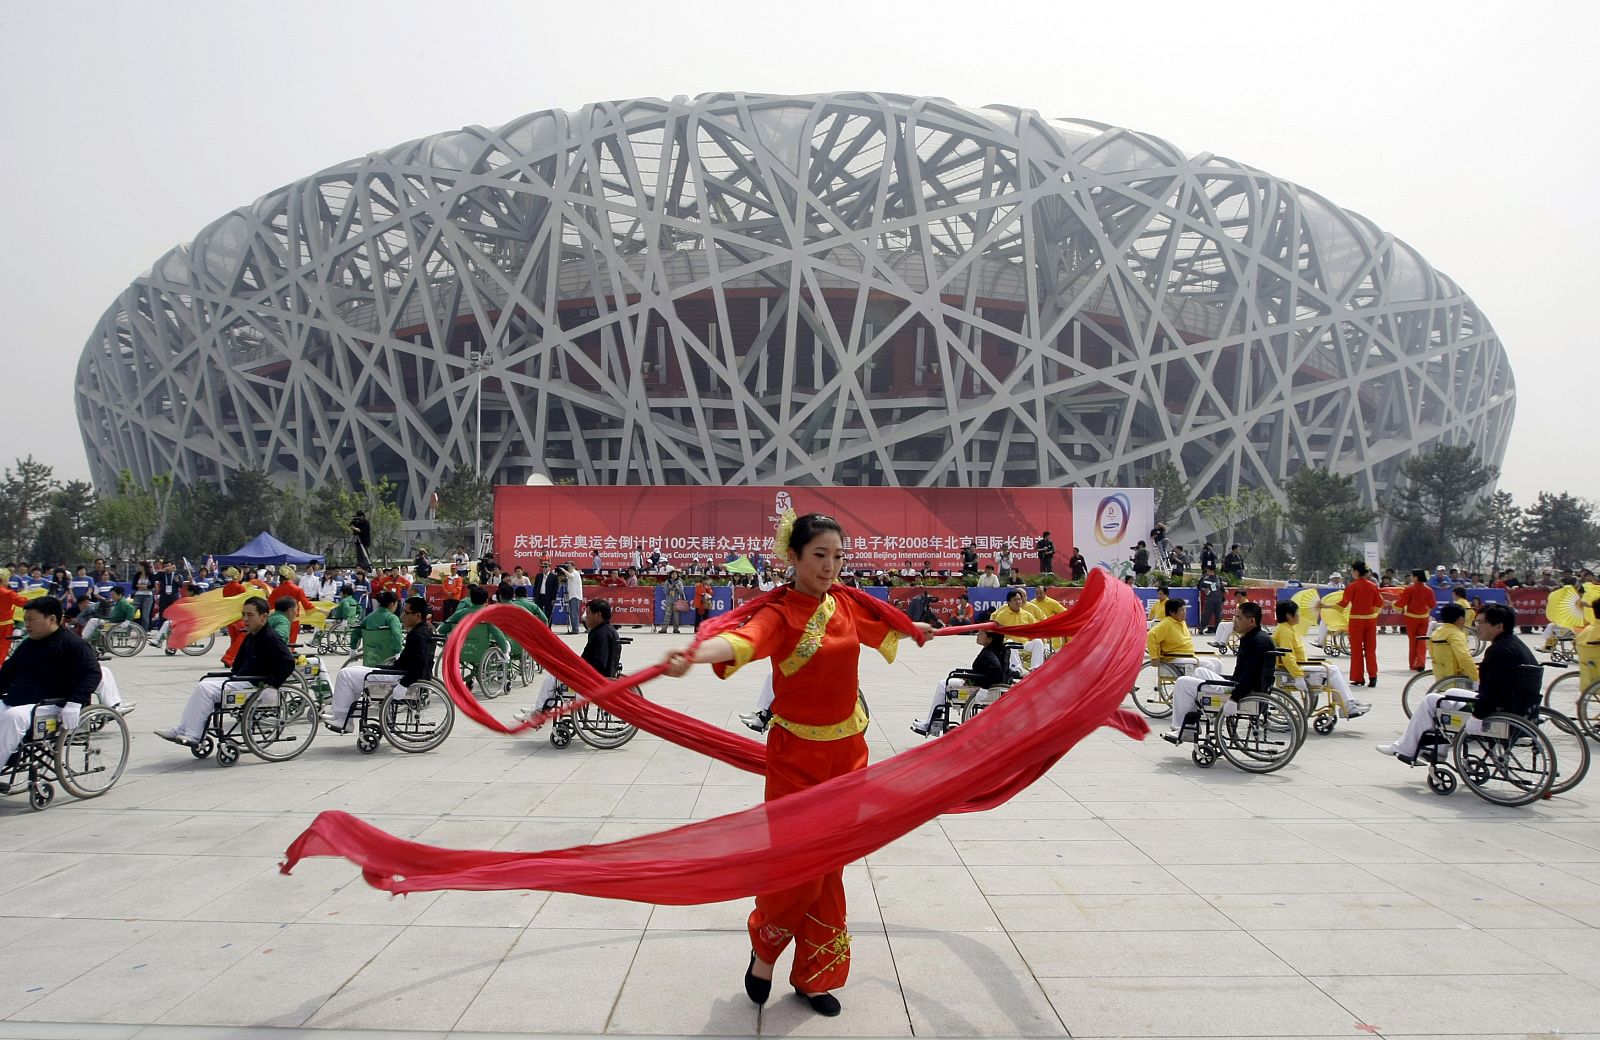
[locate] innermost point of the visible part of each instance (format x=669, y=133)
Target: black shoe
x=823, y=1003
x=1373, y=682
x=756, y=989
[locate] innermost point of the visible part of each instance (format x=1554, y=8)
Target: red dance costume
x=1417, y=602
x=11, y=601
x=816, y=734
x=236, y=631
x=1365, y=603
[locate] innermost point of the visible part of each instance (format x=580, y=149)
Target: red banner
x=885, y=527
x=1529, y=603
x=634, y=605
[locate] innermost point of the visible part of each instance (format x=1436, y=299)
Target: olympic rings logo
x=1111, y=519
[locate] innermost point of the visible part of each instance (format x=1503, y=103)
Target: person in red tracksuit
x=1365, y=603
x=1417, y=602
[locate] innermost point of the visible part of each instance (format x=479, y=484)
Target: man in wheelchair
x=1504, y=685
x=121, y=612
x=262, y=655
x=988, y=670
x=603, y=651
x=1018, y=611
x=1252, y=672
x=414, y=664
x=51, y=664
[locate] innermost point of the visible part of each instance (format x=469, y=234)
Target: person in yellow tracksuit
x=1048, y=606
x=1158, y=607
x=1169, y=642
x=1588, y=642
x=1448, y=645
x=1286, y=636
x=1018, y=611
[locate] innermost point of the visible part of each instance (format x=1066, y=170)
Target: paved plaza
x=1128, y=893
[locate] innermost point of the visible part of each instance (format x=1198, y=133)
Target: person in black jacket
x=988, y=669
x=1252, y=670
x=1507, y=682
x=603, y=648
x=414, y=664
x=51, y=663
x=263, y=655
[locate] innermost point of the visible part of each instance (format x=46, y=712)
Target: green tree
x=198, y=523
x=385, y=517
x=1498, y=531
x=24, y=498
x=128, y=520
x=1562, y=529
x=1434, y=498
x=57, y=542
x=466, y=499
x=1263, y=532
x=329, y=508
x=1171, y=491
x=1225, y=513
x=251, y=507
x=1326, y=510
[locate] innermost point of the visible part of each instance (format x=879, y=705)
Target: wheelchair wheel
x=1262, y=736
x=202, y=748
x=1324, y=724
x=1589, y=711
x=369, y=740
x=91, y=758
x=600, y=729
x=1415, y=690
x=979, y=699
x=1475, y=643
x=527, y=668
x=492, y=677
x=420, y=719
x=40, y=795
x=1204, y=755
x=1509, y=763
x=280, y=724
x=201, y=647
x=1441, y=781
x=1570, y=748
x=125, y=641
x=1563, y=692
x=1152, y=689
x=227, y=755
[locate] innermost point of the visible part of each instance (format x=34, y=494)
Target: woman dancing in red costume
x=814, y=641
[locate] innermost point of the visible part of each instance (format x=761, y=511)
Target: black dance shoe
x=823, y=1003
x=756, y=989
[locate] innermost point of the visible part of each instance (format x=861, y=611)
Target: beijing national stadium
x=851, y=288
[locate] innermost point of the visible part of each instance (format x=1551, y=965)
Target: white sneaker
x=1357, y=709
x=176, y=737
x=1388, y=749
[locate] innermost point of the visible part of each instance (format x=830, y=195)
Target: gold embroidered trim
x=838, y=946
x=856, y=723
x=743, y=652
x=890, y=646
x=810, y=637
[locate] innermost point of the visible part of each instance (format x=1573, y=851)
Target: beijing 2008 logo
x=1111, y=519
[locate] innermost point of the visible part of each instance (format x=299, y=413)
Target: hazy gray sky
x=1465, y=129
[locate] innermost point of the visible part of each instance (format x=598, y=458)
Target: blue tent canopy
x=265, y=549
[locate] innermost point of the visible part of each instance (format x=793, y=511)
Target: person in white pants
x=109, y=696
x=414, y=664
x=574, y=590
x=1303, y=670
x=986, y=667
x=51, y=663
x=263, y=653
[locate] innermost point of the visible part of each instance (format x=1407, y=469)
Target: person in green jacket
x=348, y=608
x=122, y=611
x=379, y=637
x=281, y=620
x=480, y=638
x=521, y=596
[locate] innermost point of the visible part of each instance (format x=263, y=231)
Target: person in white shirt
x=574, y=591
x=989, y=579
x=311, y=583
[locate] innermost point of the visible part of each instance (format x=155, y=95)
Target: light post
x=478, y=361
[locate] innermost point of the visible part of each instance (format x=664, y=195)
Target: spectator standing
x=1078, y=565
x=969, y=559
x=672, y=598
x=1047, y=554
x=1211, y=593
x=1208, y=558
x=361, y=533
x=1233, y=564
x=1141, y=561
x=546, y=587
x=702, y=601
x=1005, y=564
x=574, y=589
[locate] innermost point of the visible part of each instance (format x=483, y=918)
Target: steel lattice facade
x=838, y=289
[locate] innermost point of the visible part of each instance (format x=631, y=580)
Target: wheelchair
x=1261, y=735
x=1152, y=688
x=1565, y=650
x=198, y=648
x=86, y=762
x=589, y=722
x=1567, y=688
x=1316, y=704
x=962, y=704
x=488, y=679
x=332, y=639
x=123, y=639
x=275, y=725
x=415, y=721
